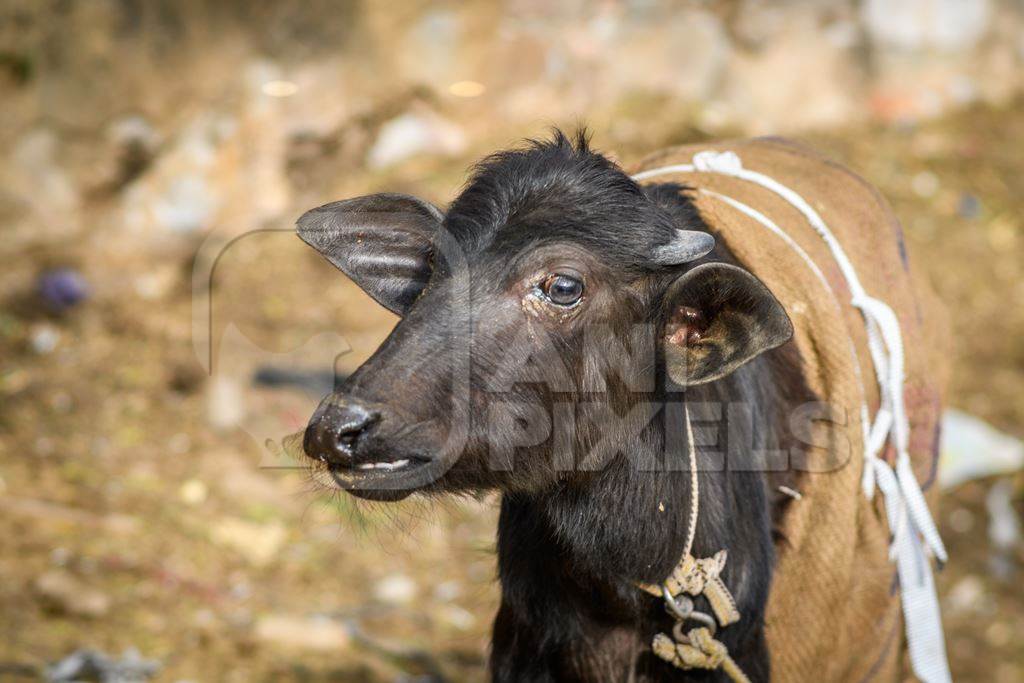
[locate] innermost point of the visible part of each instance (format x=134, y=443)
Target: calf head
x=542, y=316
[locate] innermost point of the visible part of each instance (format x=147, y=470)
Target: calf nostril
x=347, y=438
x=335, y=433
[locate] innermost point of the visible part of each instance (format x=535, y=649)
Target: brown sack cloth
x=834, y=610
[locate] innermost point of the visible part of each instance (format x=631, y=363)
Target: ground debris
x=1004, y=532
x=396, y=589
x=64, y=593
x=258, y=543
x=92, y=665
x=294, y=632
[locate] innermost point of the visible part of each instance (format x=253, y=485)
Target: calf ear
x=717, y=318
x=382, y=241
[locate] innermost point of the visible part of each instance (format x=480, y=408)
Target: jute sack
x=834, y=609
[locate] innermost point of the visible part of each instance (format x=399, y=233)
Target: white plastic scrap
x=971, y=449
x=92, y=665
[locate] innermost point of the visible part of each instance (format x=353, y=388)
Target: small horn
x=688, y=245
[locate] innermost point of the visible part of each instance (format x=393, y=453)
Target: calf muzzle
x=337, y=431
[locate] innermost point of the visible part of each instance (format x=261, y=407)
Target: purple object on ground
x=62, y=289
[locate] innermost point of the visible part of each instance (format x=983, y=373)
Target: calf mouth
x=386, y=478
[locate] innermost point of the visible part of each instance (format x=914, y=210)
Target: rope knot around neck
x=695, y=577
x=697, y=648
x=700, y=650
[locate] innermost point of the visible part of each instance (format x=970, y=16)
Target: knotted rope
x=699, y=651
x=697, y=648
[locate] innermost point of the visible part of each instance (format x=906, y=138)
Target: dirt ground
x=133, y=517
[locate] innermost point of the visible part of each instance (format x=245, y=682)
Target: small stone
x=225, y=407
x=467, y=89
x=258, y=543
x=1004, y=527
x=62, y=592
x=134, y=130
x=967, y=595
x=14, y=381
x=480, y=571
x=925, y=184
x=999, y=634
x=193, y=492
x=44, y=446
x=447, y=591
x=239, y=587
x=62, y=402
x=279, y=88
x=414, y=133
x=189, y=204
x=961, y=520
x=951, y=25
x=457, y=617
x=121, y=524
x=43, y=338
x=395, y=589
x=969, y=206
x=179, y=443
x=42, y=182
x=205, y=621
x=157, y=282
x=59, y=556
x=316, y=633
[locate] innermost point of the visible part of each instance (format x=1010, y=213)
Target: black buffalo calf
x=554, y=321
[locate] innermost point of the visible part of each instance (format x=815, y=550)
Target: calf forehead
x=532, y=197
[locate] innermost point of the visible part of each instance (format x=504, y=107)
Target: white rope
x=768, y=223
x=691, y=531
x=910, y=521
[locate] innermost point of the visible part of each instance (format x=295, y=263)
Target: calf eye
x=563, y=290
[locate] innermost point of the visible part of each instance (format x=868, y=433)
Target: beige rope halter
x=696, y=648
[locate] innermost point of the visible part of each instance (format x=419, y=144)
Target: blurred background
x=159, y=322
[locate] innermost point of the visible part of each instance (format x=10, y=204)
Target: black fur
x=572, y=544
x=556, y=190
